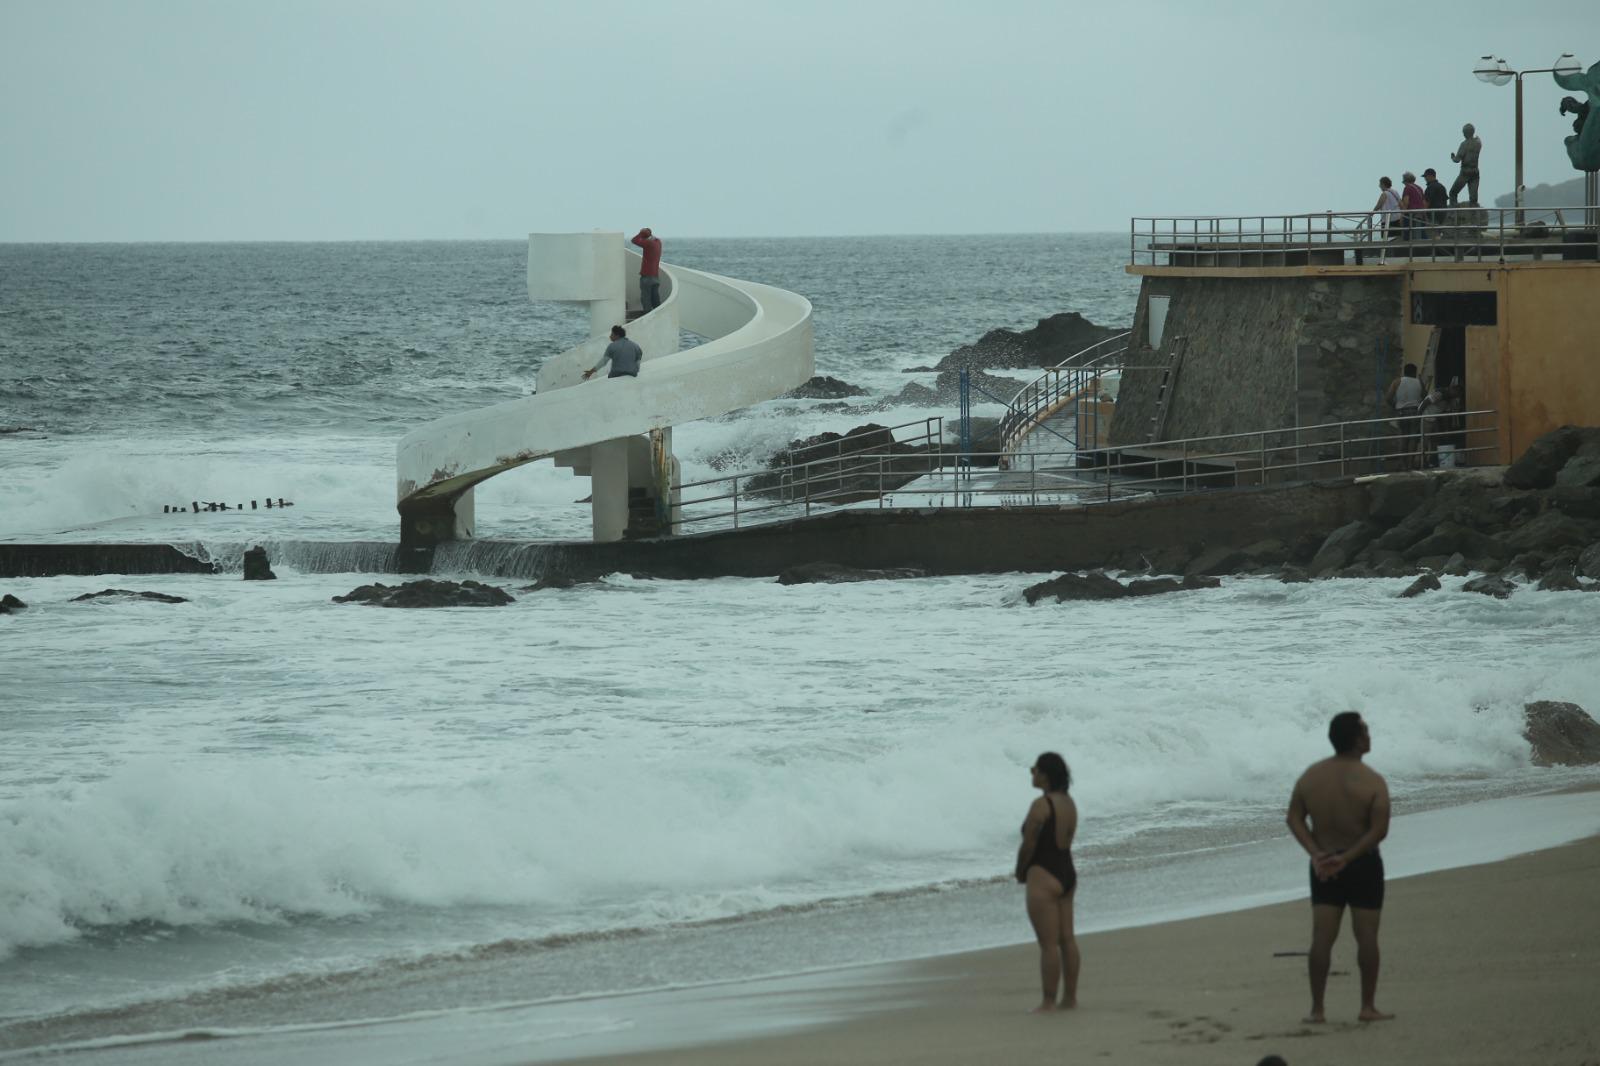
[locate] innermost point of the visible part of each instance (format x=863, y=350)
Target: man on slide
x=1348, y=805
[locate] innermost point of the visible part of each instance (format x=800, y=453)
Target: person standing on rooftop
x=1412, y=200
x=649, y=270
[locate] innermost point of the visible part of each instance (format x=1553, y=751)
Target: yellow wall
x=1539, y=368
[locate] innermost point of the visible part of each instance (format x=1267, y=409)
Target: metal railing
x=1459, y=234
x=845, y=470
x=935, y=478
x=1072, y=380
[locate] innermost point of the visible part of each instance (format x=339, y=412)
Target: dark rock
x=1559, y=579
x=1293, y=575
x=1396, y=567
x=1354, y=570
x=917, y=395
x=1170, y=560
x=1200, y=581
x=1490, y=585
x=1450, y=538
x=554, y=581
x=1341, y=547
x=1538, y=466
x=1425, y=583
x=1397, y=495
x=833, y=574
x=1218, y=560
x=128, y=594
x=1548, y=532
x=822, y=387
x=947, y=388
x=1581, y=472
x=1053, y=340
x=1589, y=561
x=1154, y=586
x=1575, y=502
x=9, y=603
x=1091, y=586
x=256, y=565
x=429, y=593
x=1562, y=734
x=1269, y=553
x=1456, y=566
x=1528, y=564
x=827, y=467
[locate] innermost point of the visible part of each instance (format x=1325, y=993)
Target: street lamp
x=1492, y=70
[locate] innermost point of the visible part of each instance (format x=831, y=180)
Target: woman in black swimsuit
x=1044, y=864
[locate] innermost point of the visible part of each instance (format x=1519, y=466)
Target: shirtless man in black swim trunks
x=1348, y=804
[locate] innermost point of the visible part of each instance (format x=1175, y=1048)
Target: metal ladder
x=1169, y=381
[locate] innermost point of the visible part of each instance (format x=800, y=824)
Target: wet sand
x=1491, y=964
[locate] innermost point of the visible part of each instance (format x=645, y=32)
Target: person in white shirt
x=1405, y=397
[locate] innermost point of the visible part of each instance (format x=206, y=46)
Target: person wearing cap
x=1436, y=198
x=649, y=270
x=1467, y=156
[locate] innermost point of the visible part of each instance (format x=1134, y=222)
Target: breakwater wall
x=937, y=541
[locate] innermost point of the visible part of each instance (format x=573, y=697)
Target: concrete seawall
x=939, y=541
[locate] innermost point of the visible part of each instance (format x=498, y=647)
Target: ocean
x=259, y=810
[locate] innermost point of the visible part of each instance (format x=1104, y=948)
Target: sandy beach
x=1492, y=964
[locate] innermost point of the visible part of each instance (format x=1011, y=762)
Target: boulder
x=947, y=388
x=1341, y=547
x=1537, y=467
x=1456, y=566
x=1581, y=472
x=1561, y=734
x=1490, y=585
x=1051, y=341
x=1091, y=586
x=1559, y=579
x=1293, y=575
x=1425, y=583
x=256, y=565
x=128, y=594
x=827, y=461
x=1450, y=538
x=1170, y=560
x=1396, y=567
x=1154, y=586
x=9, y=603
x=1528, y=564
x=429, y=593
x=1201, y=581
x=1589, y=561
x=1218, y=560
x=833, y=574
x=1574, y=502
x=822, y=387
x=1548, y=532
x=1270, y=552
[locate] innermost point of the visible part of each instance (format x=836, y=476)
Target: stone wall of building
x=1260, y=353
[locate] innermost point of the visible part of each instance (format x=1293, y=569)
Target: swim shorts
x=1359, y=884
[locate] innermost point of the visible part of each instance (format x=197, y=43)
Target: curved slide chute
x=618, y=430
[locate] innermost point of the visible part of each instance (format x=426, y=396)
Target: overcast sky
x=345, y=119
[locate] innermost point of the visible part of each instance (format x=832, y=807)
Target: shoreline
x=1490, y=963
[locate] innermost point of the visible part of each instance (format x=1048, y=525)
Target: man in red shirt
x=649, y=270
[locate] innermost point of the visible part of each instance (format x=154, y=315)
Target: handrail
x=1043, y=393
x=1283, y=455
x=1461, y=233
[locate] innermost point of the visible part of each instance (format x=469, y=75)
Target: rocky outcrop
x=1541, y=464
x=1561, y=734
x=9, y=603
x=1342, y=546
x=256, y=565
x=1095, y=585
x=1425, y=583
x=1052, y=341
x=429, y=593
x=947, y=388
x=128, y=594
x=1490, y=585
x=829, y=461
x=833, y=574
x=823, y=387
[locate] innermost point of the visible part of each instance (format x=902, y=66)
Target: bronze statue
x=1583, y=147
x=1467, y=156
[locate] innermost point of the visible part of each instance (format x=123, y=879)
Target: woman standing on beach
x=1044, y=864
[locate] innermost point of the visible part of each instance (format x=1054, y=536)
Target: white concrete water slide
x=758, y=346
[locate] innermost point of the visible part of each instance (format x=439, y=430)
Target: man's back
x=1338, y=794
x=1468, y=152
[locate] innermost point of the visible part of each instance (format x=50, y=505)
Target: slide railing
x=758, y=346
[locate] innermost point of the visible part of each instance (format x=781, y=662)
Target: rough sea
x=260, y=811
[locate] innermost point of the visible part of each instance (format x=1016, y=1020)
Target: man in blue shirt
x=623, y=354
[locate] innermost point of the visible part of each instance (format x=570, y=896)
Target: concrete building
x=1251, y=324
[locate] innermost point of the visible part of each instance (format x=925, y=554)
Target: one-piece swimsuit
x=1048, y=854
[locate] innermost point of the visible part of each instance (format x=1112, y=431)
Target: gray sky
x=349, y=119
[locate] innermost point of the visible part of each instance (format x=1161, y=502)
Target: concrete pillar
x=608, y=478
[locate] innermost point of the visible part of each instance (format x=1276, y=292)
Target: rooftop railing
x=1335, y=238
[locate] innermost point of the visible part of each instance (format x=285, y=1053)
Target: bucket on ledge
x=1447, y=456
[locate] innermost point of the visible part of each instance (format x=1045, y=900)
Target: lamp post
x=1492, y=70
